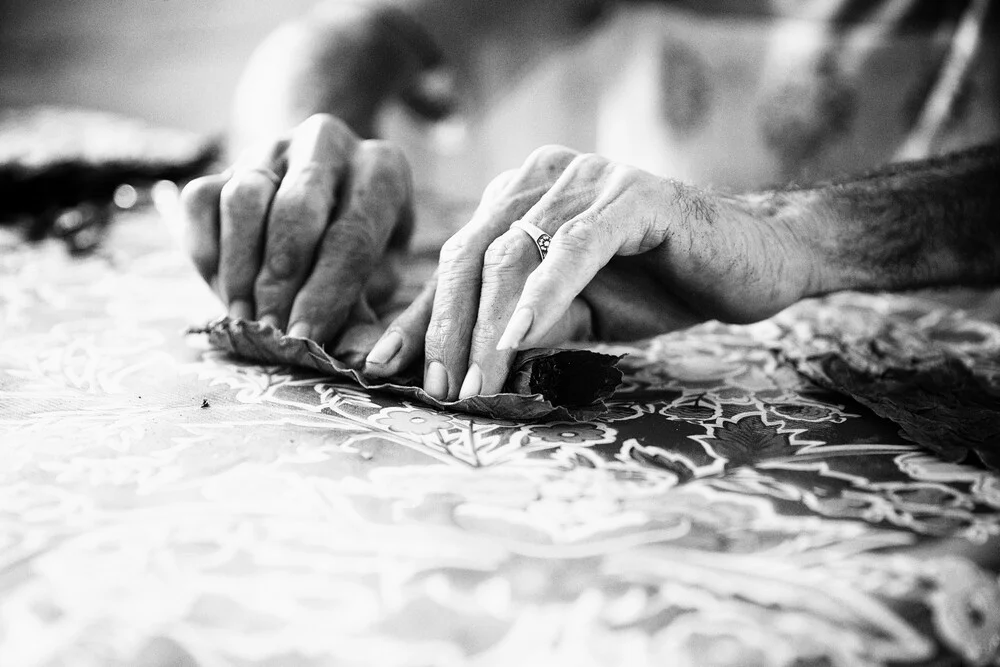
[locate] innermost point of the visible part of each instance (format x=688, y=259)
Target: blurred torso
x=747, y=94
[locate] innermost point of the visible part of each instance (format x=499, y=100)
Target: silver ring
x=541, y=239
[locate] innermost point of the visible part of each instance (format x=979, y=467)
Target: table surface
x=162, y=504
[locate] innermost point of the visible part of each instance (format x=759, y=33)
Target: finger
x=507, y=265
x=359, y=335
x=383, y=283
x=200, y=212
x=581, y=212
x=578, y=251
x=378, y=196
x=488, y=373
x=318, y=157
x=244, y=202
x=403, y=341
x=456, y=302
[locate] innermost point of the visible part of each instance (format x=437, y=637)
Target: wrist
x=793, y=231
x=826, y=225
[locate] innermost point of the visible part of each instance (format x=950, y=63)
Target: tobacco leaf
x=943, y=406
x=544, y=383
x=934, y=372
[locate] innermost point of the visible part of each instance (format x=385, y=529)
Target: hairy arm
x=934, y=222
x=348, y=58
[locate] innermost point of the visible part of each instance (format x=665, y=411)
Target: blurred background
x=172, y=62
x=176, y=63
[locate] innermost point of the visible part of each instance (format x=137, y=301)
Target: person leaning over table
x=297, y=232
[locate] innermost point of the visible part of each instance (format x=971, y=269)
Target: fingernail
x=300, y=330
x=240, y=309
x=436, y=381
x=473, y=382
x=270, y=320
x=386, y=348
x=516, y=329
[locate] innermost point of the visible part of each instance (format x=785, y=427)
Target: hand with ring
x=574, y=246
x=299, y=232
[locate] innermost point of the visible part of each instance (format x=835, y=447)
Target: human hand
x=631, y=255
x=297, y=233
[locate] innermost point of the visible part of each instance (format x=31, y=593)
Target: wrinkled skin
x=632, y=255
x=309, y=252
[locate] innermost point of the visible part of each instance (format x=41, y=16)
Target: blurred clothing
x=749, y=94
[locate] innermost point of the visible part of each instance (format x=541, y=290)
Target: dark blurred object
x=935, y=372
x=60, y=168
x=82, y=227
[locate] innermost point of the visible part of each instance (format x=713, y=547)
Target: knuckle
x=359, y=243
x=457, y=247
x=486, y=335
x=382, y=151
x=383, y=189
x=322, y=135
x=550, y=157
x=579, y=236
x=299, y=210
x=245, y=194
x=324, y=124
x=582, y=164
x=504, y=254
x=271, y=294
x=497, y=186
x=390, y=171
x=198, y=196
x=436, y=340
x=310, y=178
x=283, y=262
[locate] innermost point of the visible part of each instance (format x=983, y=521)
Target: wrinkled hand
x=296, y=233
x=631, y=255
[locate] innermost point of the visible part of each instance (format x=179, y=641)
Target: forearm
x=928, y=223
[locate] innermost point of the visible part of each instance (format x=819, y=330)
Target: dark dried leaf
x=544, y=383
x=933, y=371
x=943, y=406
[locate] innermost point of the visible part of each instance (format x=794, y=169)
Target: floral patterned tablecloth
x=162, y=504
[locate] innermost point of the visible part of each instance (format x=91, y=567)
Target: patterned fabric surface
x=162, y=504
